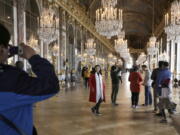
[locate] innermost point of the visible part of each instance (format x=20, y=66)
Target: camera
x=15, y=50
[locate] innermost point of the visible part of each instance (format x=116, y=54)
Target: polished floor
x=69, y=114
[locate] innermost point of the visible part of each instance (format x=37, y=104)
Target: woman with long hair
x=135, y=79
x=97, y=89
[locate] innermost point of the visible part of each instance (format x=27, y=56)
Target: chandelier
x=91, y=47
x=55, y=50
x=164, y=56
x=141, y=59
x=109, y=21
x=172, y=28
x=121, y=43
x=48, y=31
x=33, y=42
x=109, y=3
x=125, y=54
x=152, y=50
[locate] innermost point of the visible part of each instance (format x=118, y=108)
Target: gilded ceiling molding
x=78, y=13
x=160, y=29
x=137, y=51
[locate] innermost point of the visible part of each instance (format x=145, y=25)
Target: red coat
x=92, y=86
x=135, y=79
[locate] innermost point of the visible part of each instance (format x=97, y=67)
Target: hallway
x=69, y=114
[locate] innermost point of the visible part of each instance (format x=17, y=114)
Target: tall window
x=6, y=14
x=32, y=14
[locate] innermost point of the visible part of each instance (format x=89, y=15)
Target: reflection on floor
x=69, y=114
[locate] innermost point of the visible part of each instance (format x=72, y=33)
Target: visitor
x=97, y=89
x=135, y=79
x=115, y=83
x=164, y=90
x=86, y=76
x=154, y=85
x=73, y=77
x=147, y=85
x=19, y=91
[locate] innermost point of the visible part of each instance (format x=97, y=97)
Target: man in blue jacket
x=19, y=91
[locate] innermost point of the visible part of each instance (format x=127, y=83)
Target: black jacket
x=114, y=75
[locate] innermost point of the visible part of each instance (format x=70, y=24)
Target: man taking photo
x=19, y=91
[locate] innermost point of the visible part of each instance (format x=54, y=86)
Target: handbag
x=12, y=125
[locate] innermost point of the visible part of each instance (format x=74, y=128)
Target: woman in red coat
x=135, y=79
x=97, y=89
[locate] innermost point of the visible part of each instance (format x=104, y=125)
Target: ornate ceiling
x=137, y=15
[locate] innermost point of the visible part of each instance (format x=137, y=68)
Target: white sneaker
x=134, y=107
x=137, y=107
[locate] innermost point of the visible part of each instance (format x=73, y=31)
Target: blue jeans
x=148, y=95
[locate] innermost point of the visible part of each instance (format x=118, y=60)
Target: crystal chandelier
x=164, y=56
x=110, y=59
x=109, y=3
x=142, y=58
x=33, y=42
x=121, y=43
x=91, y=47
x=152, y=50
x=55, y=50
x=48, y=31
x=125, y=55
x=109, y=21
x=172, y=28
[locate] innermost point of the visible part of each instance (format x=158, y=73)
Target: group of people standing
x=136, y=80
x=160, y=81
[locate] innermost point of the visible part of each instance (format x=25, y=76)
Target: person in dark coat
x=115, y=83
x=19, y=91
x=135, y=79
x=154, y=84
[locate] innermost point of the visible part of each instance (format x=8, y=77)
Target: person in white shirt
x=147, y=85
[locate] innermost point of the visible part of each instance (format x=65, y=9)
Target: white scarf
x=99, y=87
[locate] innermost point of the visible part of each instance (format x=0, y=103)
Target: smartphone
x=15, y=50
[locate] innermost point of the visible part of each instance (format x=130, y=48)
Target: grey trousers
x=155, y=96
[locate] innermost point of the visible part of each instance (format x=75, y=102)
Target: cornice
x=138, y=51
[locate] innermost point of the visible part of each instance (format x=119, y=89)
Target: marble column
x=172, y=56
x=15, y=26
x=178, y=60
x=21, y=25
x=59, y=45
x=167, y=50
x=42, y=48
x=82, y=42
x=59, y=55
x=61, y=17
x=21, y=20
x=74, y=46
